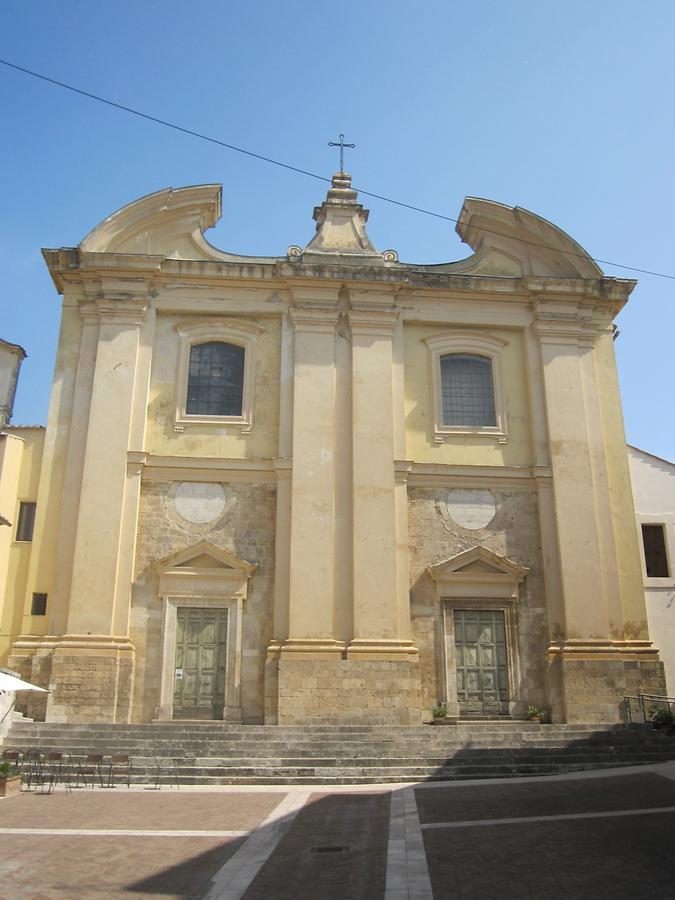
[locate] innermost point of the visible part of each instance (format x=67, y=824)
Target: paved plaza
x=581, y=836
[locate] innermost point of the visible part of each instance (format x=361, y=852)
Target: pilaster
x=381, y=616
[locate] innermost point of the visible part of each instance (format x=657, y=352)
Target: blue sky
x=563, y=108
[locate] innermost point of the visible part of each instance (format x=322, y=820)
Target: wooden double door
x=481, y=661
x=201, y=654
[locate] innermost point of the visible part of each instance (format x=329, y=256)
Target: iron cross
x=341, y=144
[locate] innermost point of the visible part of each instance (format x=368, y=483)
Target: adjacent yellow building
x=331, y=486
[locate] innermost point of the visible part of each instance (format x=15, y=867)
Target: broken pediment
x=510, y=240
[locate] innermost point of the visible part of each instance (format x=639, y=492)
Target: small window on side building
x=38, y=605
x=26, y=523
x=656, y=558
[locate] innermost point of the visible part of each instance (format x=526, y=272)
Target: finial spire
x=341, y=144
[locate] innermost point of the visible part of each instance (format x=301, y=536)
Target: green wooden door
x=201, y=646
x=482, y=675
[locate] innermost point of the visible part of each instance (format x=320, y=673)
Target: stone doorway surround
x=477, y=579
x=203, y=576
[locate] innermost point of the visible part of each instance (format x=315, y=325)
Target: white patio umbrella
x=12, y=683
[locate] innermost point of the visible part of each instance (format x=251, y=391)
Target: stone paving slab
x=544, y=797
x=620, y=858
x=38, y=867
x=150, y=810
x=359, y=822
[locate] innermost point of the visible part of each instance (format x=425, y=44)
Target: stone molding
x=482, y=344
x=226, y=330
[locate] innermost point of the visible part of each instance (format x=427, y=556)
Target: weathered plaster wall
x=653, y=483
x=20, y=458
x=207, y=440
x=514, y=533
x=246, y=527
x=465, y=449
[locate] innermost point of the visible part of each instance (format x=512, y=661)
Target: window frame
x=667, y=522
x=19, y=522
x=239, y=334
x=475, y=344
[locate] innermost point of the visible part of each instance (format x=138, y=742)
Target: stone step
x=275, y=776
x=191, y=748
x=264, y=731
x=279, y=747
x=243, y=754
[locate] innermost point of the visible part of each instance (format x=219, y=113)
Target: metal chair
x=163, y=771
x=33, y=761
x=56, y=768
x=93, y=765
x=120, y=765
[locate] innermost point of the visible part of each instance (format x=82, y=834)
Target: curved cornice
x=502, y=236
x=508, y=242
x=168, y=223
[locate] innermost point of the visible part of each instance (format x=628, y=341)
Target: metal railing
x=641, y=707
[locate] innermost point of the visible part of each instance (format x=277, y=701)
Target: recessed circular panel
x=471, y=509
x=199, y=502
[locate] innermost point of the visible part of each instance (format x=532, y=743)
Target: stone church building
x=330, y=486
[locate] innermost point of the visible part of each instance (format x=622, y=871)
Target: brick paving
x=149, y=810
x=359, y=822
x=56, y=867
x=39, y=867
x=544, y=797
x=483, y=853
x=615, y=858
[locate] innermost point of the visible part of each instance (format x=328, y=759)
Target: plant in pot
x=661, y=716
x=10, y=780
x=535, y=714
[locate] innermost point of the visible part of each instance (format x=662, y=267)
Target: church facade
x=332, y=487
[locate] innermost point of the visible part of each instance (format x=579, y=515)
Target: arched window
x=466, y=384
x=467, y=390
x=215, y=380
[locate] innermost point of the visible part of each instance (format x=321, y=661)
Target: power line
x=276, y=162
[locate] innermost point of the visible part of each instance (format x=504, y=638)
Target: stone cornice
x=69, y=264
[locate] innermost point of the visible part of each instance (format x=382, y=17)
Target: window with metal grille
x=38, y=605
x=656, y=557
x=467, y=390
x=26, y=523
x=215, y=380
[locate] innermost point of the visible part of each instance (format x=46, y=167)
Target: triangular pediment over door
x=204, y=567
x=478, y=572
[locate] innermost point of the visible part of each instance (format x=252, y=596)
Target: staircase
x=216, y=753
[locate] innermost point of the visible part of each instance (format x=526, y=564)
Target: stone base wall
x=83, y=687
x=593, y=690
x=346, y=691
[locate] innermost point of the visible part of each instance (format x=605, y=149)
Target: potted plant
x=10, y=780
x=661, y=716
x=440, y=712
x=535, y=714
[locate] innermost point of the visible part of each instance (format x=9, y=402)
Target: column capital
x=316, y=320
x=378, y=322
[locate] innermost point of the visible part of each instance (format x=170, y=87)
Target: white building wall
x=654, y=495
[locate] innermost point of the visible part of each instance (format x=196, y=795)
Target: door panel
x=201, y=646
x=481, y=660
